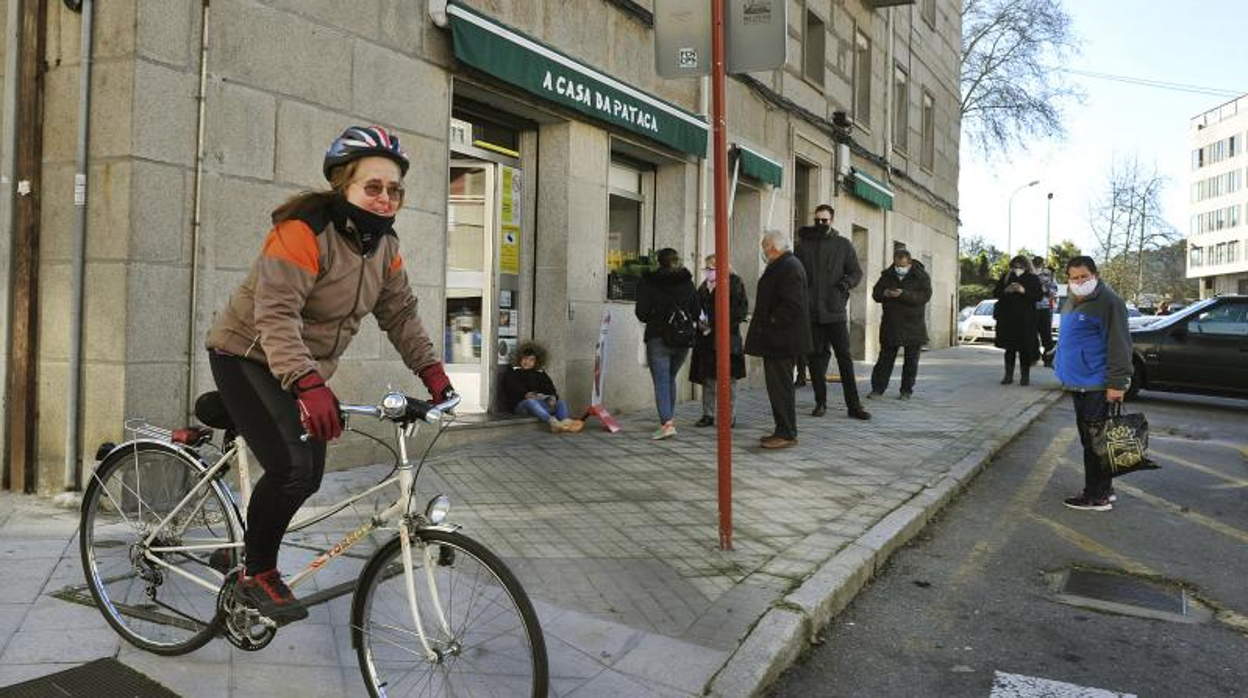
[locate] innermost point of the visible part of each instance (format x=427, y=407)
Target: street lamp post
x=1048, y=228
x=1009, y=239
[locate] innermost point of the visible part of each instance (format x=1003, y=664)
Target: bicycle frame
x=399, y=510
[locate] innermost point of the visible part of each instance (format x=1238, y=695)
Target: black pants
x=268, y=419
x=883, y=371
x=1044, y=328
x=1092, y=407
x=829, y=338
x=1012, y=356
x=783, y=396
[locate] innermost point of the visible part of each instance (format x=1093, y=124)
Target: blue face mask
x=901, y=271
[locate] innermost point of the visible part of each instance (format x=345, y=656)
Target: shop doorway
x=482, y=276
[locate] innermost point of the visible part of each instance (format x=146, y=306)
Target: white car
x=980, y=325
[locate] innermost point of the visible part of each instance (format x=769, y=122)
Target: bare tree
x=1011, y=85
x=1130, y=227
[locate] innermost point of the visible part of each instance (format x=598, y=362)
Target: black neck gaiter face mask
x=369, y=226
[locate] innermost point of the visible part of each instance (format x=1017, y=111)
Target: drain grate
x=1126, y=595
x=103, y=677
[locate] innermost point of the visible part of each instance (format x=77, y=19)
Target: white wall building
x=1218, y=236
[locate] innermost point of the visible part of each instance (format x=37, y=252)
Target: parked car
x=964, y=313
x=1202, y=349
x=1138, y=319
x=980, y=325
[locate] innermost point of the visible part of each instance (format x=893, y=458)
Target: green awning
x=758, y=166
x=871, y=189
x=532, y=66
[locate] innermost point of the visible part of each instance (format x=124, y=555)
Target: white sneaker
x=667, y=431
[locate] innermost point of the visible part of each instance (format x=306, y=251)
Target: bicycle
x=155, y=512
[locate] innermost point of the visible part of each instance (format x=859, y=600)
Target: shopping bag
x=1121, y=442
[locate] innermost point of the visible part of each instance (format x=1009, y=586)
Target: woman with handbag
x=702, y=368
x=667, y=302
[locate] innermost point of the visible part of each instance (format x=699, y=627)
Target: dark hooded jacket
x=1015, y=314
x=905, y=317
x=660, y=293
x=832, y=269
x=518, y=382
x=780, y=328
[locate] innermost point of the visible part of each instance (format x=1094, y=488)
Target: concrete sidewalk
x=614, y=536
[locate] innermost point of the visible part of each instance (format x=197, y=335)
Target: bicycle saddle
x=210, y=410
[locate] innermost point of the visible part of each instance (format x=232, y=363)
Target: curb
x=791, y=625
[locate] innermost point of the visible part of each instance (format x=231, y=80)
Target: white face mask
x=1084, y=289
x=901, y=271
x=1018, y=271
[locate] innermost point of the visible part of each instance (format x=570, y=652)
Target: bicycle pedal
x=446, y=556
x=220, y=560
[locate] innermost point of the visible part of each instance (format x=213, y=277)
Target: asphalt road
x=970, y=609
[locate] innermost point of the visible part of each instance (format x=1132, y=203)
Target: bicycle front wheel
x=483, y=635
x=160, y=595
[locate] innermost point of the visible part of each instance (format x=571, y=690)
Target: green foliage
x=972, y=294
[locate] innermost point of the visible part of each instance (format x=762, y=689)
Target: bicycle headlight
x=437, y=509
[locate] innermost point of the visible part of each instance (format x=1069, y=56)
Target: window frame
x=901, y=109
x=927, y=155
x=862, y=102
x=821, y=80
x=927, y=10
x=646, y=198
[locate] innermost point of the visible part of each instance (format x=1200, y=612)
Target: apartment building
x=1217, y=239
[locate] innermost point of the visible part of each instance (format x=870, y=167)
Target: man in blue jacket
x=1094, y=365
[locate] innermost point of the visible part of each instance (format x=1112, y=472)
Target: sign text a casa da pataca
x=528, y=64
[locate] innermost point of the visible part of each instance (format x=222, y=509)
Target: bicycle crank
x=244, y=627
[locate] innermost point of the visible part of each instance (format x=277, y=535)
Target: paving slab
x=614, y=536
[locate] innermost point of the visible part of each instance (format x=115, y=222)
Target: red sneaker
x=270, y=595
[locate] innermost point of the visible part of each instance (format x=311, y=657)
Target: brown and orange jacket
x=304, y=299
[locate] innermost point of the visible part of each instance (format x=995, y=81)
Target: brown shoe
x=774, y=442
x=573, y=425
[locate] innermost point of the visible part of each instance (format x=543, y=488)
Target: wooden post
x=23, y=398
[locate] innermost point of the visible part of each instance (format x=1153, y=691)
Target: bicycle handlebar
x=397, y=407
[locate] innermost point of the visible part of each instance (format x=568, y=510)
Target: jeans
x=1091, y=406
x=665, y=363
x=883, y=371
x=540, y=409
x=783, y=396
x=833, y=335
x=709, y=396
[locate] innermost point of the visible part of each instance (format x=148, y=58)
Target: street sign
x=756, y=32
x=755, y=35
x=682, y=38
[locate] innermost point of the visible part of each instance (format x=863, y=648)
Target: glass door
x=470, y=311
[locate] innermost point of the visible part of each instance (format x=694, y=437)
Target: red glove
x=318, y=407
x=436, y=382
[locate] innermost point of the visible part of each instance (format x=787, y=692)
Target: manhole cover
x=103, y=677
x=1127, y=595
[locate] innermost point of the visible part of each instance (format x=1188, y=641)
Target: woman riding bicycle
x=331, y=258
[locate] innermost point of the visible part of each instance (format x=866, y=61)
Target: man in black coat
x=904, y=290
x=831, y=265
x=779, y=333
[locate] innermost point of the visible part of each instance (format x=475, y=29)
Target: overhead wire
x=1158, y=84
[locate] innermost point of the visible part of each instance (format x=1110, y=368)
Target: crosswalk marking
x=1018, y=686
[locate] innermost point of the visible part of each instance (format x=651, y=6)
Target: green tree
x=1059, y=254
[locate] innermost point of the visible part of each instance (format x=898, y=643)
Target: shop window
x=862, y=80
x=901, y=109
x=630, y=193
x=813, y=46
x=928, y=156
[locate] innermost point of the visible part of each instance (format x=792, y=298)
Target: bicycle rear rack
x=140, y=429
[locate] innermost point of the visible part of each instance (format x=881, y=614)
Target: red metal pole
x=723, y=287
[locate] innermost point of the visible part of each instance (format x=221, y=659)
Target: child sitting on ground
x=528, y=390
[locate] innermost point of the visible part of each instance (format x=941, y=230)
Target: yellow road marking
x=1240, y=482
x=1087, y=544
x=1197, y=518
x=1026, y=496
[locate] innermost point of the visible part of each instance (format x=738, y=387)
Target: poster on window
x=512, y=200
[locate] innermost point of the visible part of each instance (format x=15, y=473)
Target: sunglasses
x=374, y=188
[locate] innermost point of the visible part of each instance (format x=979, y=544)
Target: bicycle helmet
x=362, y=141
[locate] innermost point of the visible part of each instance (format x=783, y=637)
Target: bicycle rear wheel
x=495, y=645
x=166, y=605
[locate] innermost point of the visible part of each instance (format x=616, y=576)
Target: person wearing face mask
x=779, y=333
x=1044, y=308
x=1017, y=292
x=903, y=289
x=331, y=258
x=1094, y=365
x=832, y=269
x=702, y=366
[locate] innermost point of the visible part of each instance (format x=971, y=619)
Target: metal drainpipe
x=196, y=223
x=74, y=389
x=12, y=33
x=704, y=109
